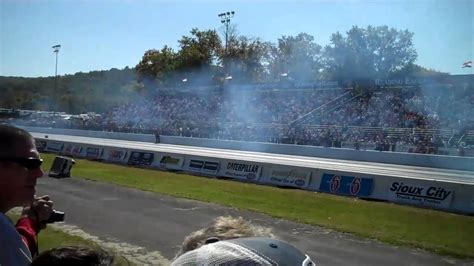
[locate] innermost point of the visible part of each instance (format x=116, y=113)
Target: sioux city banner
x=141, y=158
x=290, y=177
x=243, y=170
x=54, y=146
x=420, y=194
x=346, y=185
x=203, y=166
x=172, y=162
x=117, y=155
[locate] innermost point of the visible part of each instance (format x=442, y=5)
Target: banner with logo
x=346, y=185
x=210, y=167
x=172, y=162
x=76, y=150
x=243, y=170
x=418, y=194
x=68, y=149
x=40, y=145
x=117, y=155
x=203, y=166
x=290, y=177
x=72, y=150
x=93, y=152
x=54, y=146
x=141, y=158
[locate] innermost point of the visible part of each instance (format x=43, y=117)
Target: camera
x=56, y=216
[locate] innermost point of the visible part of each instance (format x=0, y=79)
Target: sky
x=105, y=34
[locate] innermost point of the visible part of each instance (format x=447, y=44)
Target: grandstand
x=406, y=115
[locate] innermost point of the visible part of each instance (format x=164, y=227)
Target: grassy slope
x=440, y=232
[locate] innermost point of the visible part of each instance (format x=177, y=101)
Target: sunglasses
x=29, y=163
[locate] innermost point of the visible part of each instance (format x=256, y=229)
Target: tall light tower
x=56, y=51
x=225, y=19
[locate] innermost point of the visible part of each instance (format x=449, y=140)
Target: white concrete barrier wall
x=423, y=160
x=447, y=196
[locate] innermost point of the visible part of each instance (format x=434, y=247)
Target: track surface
x=465, y=177
x=160, y=223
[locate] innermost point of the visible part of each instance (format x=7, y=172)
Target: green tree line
x=201, y=59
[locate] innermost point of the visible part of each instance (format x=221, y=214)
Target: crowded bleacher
x=414, y=119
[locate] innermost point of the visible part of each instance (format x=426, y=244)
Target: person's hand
x=40, y=210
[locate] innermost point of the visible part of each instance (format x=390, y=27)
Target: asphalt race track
x=159, y=223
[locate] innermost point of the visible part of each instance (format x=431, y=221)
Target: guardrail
x=399, y=158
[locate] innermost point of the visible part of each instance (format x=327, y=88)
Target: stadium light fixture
x=225, y=19
x=56, y=51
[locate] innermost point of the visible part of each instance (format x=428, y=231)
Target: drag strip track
x=157, y=224
x=414, y=172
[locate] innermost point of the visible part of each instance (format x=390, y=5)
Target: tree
x=296, y=56
x=246, y=59
x=157, y=64
x=373, y=52
x=199, y=50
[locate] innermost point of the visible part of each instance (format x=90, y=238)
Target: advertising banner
x=210, y=167
x=93, y=152
x=243, y=170
x=203, y=166
x=290, y=177
x=117, y=155
x=420, y=194
x=72, y=150
x=141, y=158
x=76, y=150
x=346, y=185
x=172, y=162
x=67, y=149
x=40, y=145
x=54, y=146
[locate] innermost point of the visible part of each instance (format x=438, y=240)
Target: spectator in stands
x=263, y=113
x=73, y=256
x=20, y=167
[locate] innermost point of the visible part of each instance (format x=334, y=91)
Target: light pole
x=225, y=19
x=56, y=51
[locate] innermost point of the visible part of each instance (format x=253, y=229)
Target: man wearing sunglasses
x=20, y=167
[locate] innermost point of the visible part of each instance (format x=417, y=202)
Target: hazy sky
x=104, y=34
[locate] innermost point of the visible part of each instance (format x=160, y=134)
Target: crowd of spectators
x=273, y=115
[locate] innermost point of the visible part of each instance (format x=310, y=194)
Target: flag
x=467, y=64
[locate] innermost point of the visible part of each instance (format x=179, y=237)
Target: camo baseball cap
x=245, y=251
